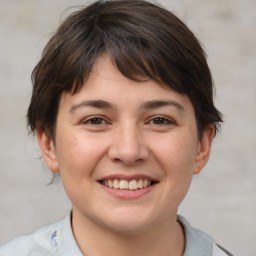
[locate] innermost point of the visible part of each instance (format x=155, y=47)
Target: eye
x=160, y=120
x=94, y=121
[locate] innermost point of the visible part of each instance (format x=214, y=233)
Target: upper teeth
x=124, y=184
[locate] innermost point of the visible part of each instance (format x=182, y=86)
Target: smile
x=127, y=185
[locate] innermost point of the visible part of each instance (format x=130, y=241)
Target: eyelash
x=95, y=118
x=163, y=120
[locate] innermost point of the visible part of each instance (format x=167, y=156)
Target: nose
x=128, y=146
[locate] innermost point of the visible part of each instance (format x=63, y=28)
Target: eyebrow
x=153, y=104
x=102, y=104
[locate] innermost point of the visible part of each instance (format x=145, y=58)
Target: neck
x=166, y=239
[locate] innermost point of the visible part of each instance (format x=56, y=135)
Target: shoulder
x=55, y=239
x=217, y=250
x=199, y=243
x=36, y=244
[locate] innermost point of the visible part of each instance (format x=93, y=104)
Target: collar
x=197, y=242
x=64, y=239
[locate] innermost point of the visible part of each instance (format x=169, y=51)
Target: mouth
x=122, y=184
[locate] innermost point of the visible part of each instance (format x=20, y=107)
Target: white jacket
x=58, y=239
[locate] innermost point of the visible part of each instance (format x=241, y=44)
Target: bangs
x=133, y=58
x=140, y=53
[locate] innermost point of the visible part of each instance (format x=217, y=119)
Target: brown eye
x=161, y=121
x=94, y=121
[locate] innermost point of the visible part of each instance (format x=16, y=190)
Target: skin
x=124, y=133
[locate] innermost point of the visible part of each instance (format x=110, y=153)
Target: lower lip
x=128, y=194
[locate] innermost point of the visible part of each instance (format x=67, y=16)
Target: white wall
x=222, y=199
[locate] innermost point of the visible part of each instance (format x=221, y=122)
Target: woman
x=123, y=110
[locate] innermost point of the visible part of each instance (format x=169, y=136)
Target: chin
x=129, y=223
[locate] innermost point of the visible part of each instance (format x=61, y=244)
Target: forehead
x=106, y=83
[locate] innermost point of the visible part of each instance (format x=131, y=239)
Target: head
x=123, y=94
x=143, y=41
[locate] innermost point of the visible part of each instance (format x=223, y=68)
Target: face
x=126, y=151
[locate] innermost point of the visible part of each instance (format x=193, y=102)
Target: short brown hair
x=143, y=40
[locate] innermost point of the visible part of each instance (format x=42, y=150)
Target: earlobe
x=204, y=149
x=48, y=150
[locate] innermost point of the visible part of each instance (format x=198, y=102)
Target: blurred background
x=222, y=199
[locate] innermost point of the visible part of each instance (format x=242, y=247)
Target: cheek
x=176, y=154
x=79, y=154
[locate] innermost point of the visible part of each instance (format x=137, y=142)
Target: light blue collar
x=197, y=242
x=64, y=239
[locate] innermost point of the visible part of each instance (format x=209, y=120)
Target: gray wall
x=222, y=199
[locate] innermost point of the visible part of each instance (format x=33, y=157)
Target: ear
x=204, y=149
x=48, y=150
